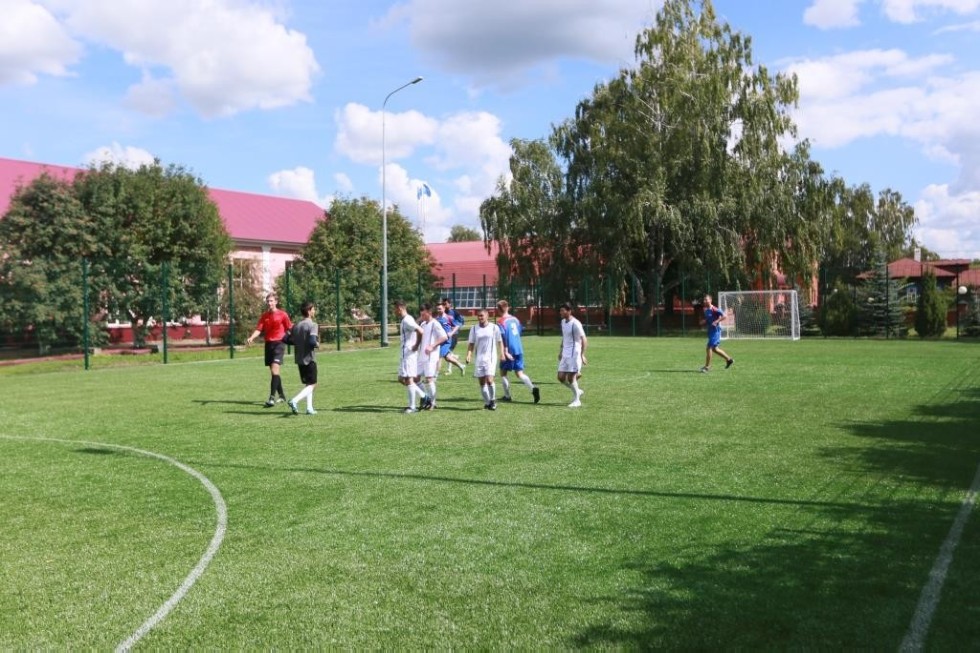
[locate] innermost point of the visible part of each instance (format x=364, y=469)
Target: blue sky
x=285, y=96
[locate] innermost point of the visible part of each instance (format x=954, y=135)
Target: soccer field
x=798, y=500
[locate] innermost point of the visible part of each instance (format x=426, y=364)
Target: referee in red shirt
x=273, y=325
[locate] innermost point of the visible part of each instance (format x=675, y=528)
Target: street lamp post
x=960, y=297
x=384, y=219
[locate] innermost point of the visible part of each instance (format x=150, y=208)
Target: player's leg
x=504, y=381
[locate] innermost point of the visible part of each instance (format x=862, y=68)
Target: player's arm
x=418, y=338
x=501, y=350
x=585, y=345
x=258, y=330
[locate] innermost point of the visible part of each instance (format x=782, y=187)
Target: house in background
x=273, y=231
x=268, y=230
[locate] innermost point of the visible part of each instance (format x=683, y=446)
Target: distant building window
x=471, y=297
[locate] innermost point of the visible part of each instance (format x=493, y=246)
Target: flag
x=423, y=190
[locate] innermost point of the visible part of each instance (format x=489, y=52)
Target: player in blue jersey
x=713, y=317
x=513, y=361
x=446, y=349
x=458, y=320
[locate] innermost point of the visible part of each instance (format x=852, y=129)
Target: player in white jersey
x=411, y=337
x=433, y=335
x=571, y=355
x=488, y=345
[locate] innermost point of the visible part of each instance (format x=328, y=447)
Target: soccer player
x=445, y=350
x=712, y=318
x=571, y=354
x=306, y=339
x=433, y=335
x=510, y=329
x=411, y=337
x=273, y=325
x=458, y=321
x=486, y=341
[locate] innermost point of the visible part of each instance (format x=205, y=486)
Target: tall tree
x=130, y=225
x=531, y=219
x=931, y=308
x=674, y=167
x=44, y=236
x=348, y=241
x=460, y=234
x=160, y=226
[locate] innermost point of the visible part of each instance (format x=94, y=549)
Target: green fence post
x=656, y=303
x=484, y=291
x=85, y=309
x=163, y=308
x=683, y=304
x=289, y=298
x=454, y=290
x=337, y=283
x=231, y=312
x=633, y=300
x=609, y=304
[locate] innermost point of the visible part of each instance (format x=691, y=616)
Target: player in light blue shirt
x=513, y=360
x=713, y=316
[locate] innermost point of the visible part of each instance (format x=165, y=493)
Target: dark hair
x=306, y=308
x=567, y=306
x=503, y=305
x=426, y=306
x=447, y=300
x=400, y=303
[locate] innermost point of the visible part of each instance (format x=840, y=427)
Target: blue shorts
x=516, y=365
x=714, y=340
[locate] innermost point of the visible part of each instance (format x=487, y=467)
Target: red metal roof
x=469, y=261
x=247, y=216
x=912, y=269
x=970, y=278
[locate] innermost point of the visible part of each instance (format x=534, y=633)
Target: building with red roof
x=264, y=228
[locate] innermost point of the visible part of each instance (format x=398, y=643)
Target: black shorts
x=307, y=373
x=275, y=350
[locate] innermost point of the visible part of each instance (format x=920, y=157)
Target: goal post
x=760, y=314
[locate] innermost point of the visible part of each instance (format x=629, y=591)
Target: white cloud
x=359, y=133
x=499, y=42
x=962, y=27
x=222, y=56
x=32, y=43
x=828, y=14
x=926, y=101
x=909, y=11
x=343, y=182
x=124, y=156
x=298, y=183
x=948, y=222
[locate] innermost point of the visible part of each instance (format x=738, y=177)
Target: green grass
x=797, y=500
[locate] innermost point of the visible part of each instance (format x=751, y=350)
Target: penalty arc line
x=202, y=564
x=915, y=637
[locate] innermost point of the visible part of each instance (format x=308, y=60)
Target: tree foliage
x=348, y=242
x=674, y=168
x=460, y=234
x=879, y=311
x=137, y=229
x=931, y=308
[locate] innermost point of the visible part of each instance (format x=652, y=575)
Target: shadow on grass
x=833, y=575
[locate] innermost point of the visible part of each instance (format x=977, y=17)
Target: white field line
x=915, y=637
x=202, y=564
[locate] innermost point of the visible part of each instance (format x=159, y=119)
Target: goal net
x=760, y=314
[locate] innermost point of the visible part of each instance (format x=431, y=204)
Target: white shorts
x=428, y=365
x=409, y=367
x=484, y=368
x=570, y=364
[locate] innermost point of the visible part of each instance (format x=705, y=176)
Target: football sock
x=410, y=390
x=492, y=391
x=526, y=380
x=574, y=387
x=506, y=383
x=432, y=390
x=305, y=393
x=485, y=391
x=278, y=382
x=272, y=385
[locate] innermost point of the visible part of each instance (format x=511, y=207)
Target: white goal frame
x=781, y=306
